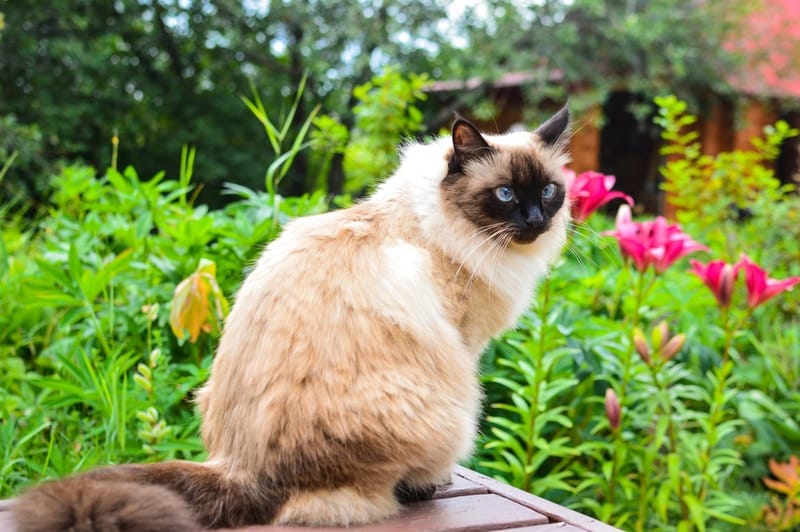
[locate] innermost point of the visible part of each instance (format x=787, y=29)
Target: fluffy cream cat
x=345, y=381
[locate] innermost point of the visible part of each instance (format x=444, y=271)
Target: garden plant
x=654, y=383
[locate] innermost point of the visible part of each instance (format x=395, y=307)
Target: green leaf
x=4, y=260
x=696, y=511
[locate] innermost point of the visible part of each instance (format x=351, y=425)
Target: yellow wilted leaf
x=198, y=303
x=788, y=473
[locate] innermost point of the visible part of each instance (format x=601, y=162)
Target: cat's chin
x=527, y=238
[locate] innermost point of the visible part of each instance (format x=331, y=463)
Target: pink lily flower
x=591, y=190
x=569, y=177
x=656, y=243
x=719, y=276
x=759, y=286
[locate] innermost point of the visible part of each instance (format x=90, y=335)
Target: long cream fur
x=367, y=324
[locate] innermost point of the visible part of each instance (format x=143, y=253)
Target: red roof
x=771, y=39
x=510, y=79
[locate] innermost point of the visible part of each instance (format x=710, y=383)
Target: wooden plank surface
x=550, y=527
x=6, y=524
x=471, y=503
x=458, y=487
x=466, y=513
x=553, y=511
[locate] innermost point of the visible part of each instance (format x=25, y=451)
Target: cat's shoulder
x=359, y=222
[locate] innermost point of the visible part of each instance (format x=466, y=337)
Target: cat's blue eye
x=504, y=193
x=548, y=191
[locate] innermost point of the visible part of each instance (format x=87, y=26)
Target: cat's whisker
x=482, y=231
x=499, y=231
x=579, y=258
x=491, y=258
x=584, y=230
x=497, y=237
x=501, y=249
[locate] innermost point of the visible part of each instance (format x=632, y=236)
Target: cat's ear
x=468, y=143
x=555, y=131
x=466, y=137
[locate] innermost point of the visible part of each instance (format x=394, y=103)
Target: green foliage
x=704, y=409
x=329, y=139
x=385, y=115
x=166, y=73
x=278, y=136
x=91, y=372
x=525, y=433
x=21, y=147
x=732, y=196
x=163, y=74
x=696, y=431
x=715, y=189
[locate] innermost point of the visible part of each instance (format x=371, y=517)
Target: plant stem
x=612, y=482
x=627, y=359
x=726, y=348
x=717, y=407
x=716, y=414
x=671, y=433
x=627, y=363
x=628, y=354
x=544, y=309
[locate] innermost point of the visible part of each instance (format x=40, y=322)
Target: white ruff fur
x=513, y=271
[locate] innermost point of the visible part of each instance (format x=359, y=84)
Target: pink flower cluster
x=589, y=191
x=720, y=278
x=659, y=244
x=655, y=243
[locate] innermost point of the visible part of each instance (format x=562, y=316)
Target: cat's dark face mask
x=507, y=193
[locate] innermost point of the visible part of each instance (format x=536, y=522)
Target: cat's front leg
x=420, y=485
x=406, y=493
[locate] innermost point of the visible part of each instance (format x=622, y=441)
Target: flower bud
x=659, y=335
x=613, y=412
x=640, y=343
x=725, y=290
x=150, y=311
x=673, y=347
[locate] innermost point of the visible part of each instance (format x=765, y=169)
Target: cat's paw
x=406, y=493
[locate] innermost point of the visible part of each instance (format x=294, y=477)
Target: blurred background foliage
x=164, y=73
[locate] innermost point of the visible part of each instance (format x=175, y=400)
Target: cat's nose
x=534, y=216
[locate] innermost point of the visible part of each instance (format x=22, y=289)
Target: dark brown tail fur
x=174, y=496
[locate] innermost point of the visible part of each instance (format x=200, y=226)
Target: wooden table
x=471, y=503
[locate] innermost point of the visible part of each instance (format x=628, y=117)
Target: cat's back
x=342, y=307
x=317, y=256
x=332, y=286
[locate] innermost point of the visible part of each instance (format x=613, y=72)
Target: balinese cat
x=345, y=381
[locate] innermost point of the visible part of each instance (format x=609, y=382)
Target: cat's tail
x=174, y=496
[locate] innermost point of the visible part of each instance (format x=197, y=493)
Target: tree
x=588, y=48
x=165, y=73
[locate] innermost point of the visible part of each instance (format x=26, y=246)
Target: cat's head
x=510, y=187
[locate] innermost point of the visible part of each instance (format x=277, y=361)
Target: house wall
x=585, y=142
x=753, y=115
